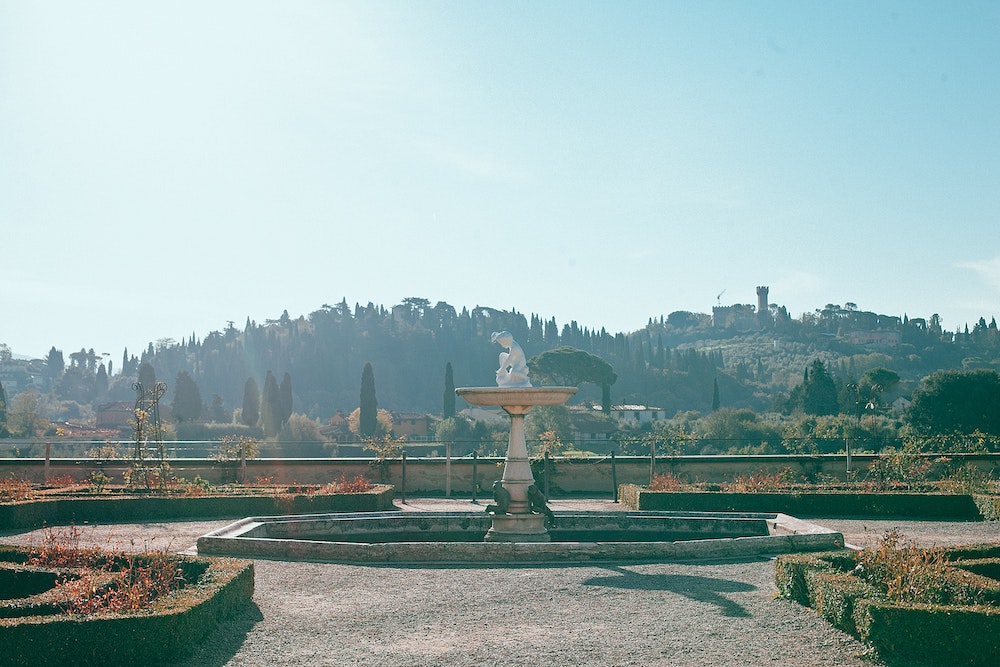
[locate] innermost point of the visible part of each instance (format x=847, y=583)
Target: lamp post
x=857, y=404
x=872, y=406
x=860, y=405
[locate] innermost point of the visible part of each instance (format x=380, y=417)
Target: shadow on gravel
x=699, y=589
x=219, y=647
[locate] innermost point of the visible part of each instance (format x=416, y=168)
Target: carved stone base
x=518, y=528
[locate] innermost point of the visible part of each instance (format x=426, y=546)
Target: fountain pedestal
x=519, y=524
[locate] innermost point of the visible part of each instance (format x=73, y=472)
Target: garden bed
x=69, y=506
x=61, y=612
x=934, y=608
x=812, y=503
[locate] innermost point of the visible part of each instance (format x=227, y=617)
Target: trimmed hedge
x=931, y=634
x=130, y=508
x=806, y=504
x=166, y=631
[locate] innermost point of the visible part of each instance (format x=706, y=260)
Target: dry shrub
x=13, y=490
x=669, y=482
x=906, y=573
x=135, y=584
x=107, y=581
x=761, y=482
x=62, y=480
x=359, y=484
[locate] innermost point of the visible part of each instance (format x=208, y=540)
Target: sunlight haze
x=166, y=168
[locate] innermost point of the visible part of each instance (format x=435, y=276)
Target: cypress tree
x=147, y=376
x=187, y=398
x=819, y=393
x=250, y=414
x=449, y=392
x=715, y=394
x=3, y=410
x=270, y=406
x=368, y=419
x=285, y=394
x=54, y=364
x=101, y=383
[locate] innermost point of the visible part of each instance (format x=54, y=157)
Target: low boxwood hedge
x=807, y=504
x=168, y=629
x=931, y=634
x=125, y=508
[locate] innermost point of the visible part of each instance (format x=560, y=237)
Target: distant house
x=901, y=404
x=337, y=429
x=637, y=414
x=742, y=317
x=19, y=375
x=483, y=415
x=878, y=338
x=415, y=426
x=592, y=431
x=118, y=415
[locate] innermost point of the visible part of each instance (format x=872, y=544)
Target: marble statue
x=513, y=371
x=502, y=498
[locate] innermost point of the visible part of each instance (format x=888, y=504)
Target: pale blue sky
x=166, y=167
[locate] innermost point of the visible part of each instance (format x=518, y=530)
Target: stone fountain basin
x=399, y=537
x=513, y=396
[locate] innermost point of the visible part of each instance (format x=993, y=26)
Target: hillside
x=673, y=363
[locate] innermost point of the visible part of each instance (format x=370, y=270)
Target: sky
x=169, y=167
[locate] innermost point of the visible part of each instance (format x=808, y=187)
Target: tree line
x=680, y=363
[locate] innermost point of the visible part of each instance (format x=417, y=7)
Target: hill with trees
x=682, y=363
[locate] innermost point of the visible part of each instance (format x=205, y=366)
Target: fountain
x=513, y=517
x=518, y=527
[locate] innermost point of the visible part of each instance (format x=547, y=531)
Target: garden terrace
x=61, y=606
x=931, y=606
x=65, y=506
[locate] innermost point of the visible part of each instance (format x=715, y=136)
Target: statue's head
x=505, y=338
x=497, y=484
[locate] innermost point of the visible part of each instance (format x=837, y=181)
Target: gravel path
x=711, y=613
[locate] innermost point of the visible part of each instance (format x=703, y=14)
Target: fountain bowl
x=456, y=538
x=515, y=396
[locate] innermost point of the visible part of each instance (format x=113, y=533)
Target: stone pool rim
x=786, y=534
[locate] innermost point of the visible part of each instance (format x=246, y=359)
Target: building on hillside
x=740, y=316
x=877, y=338
x=415, y=426
x=637, y=415
x=592, y=431
x=744, y=316
x=477, y=414
x=337, y=428
x=19, y=375
x=119, y=415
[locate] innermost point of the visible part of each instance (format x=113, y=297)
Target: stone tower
x=762, y=299
x=763, y=312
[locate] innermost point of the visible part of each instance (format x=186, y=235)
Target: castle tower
x=762, y=299
x=763, y=312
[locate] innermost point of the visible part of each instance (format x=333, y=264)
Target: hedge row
x=806, y=504
x=129, y=509
x=168, y=630
x=929, y=634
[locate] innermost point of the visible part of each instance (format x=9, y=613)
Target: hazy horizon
x=170, y=167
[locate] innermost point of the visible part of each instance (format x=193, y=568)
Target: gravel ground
x=705, y=613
